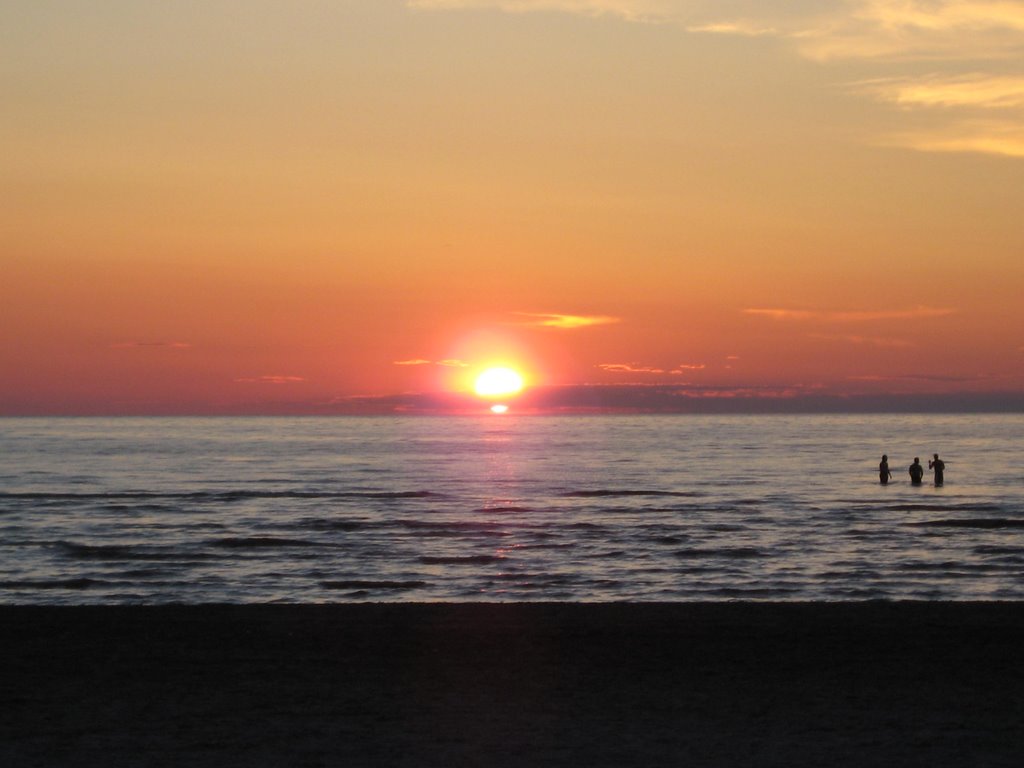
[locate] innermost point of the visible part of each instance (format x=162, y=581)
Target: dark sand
x=866, y=684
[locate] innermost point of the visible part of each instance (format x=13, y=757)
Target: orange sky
x=322, y=207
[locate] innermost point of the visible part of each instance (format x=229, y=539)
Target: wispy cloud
x=449, y=363
x=977, y=90
x=954, y=37
x=742, y=28
x=854, y=316
x=902, y=30
x=629, y=368
x=918, y=377
x=678, y=370
x=973, y=112
x=271, y=379
x=949, y=30
x=990, y=137
x=870, y=341
x=947, y=35
x=564, y=322
x=632, y=10
x=151, y=345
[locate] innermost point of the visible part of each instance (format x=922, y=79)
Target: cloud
x=564, y=322
x=741, y=28
x=637, y=368
x=948, y=30
x=908, y=394
x=828, y=29
x=151, y=345
x=271, y=379
x=631, y=10
x=980, y=113
x=976, y=90
x=449, y=363
x=990, y=137
x=947, y=35
x=856, y=316
x=628, y=368
x=955, y=38
x=872, y=341
x=915, y=30
x=919, y=377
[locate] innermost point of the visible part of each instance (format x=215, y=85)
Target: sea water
x=508, y=508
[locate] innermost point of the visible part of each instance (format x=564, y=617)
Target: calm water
x=508, y=508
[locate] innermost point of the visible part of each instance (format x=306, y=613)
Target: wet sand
x=731, y=684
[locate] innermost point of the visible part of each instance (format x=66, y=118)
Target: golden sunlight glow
x=497, y=382
x=499, y=408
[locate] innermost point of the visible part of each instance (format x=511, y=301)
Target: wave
x=988, y=549
x=978, y=522
x=364, y=584
x=221, y=496
x=81, y=583
x=333, y=525
x=981, y=507
x=260, y=542
x=461, y=560
x=122, y=552
x=608, y=492
x=469, y=528
x=727, y=553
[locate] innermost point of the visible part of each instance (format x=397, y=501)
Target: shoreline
x=514, y=684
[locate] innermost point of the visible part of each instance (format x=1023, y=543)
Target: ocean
x=508, y=508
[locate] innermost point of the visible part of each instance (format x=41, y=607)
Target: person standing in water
x=939, y=466
x=916, y=472
x=883, y=471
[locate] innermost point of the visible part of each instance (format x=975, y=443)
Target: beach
x=483, y=684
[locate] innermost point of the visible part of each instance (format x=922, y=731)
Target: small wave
x=670, y=540
x=334, y=525
x=473, y=528
x=986, y=549
x=609, y=492
x=983, y=507
x=260, y=542
x=727, y=553
x=980, y=522
x=120, y=552
x=751, y=593
x=463, y=560
x=221, y=496
x=948, y=567
x=491, y=510
x=82, y=583
x=363, y=584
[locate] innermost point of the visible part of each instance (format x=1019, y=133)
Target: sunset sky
x=358, y=205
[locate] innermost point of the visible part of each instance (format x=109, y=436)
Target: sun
x=498, y=382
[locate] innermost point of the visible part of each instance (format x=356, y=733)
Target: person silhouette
x=939, y=466
x=916, y=472
x=883, y=470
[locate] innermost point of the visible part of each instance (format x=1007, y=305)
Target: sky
x=357, y=206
